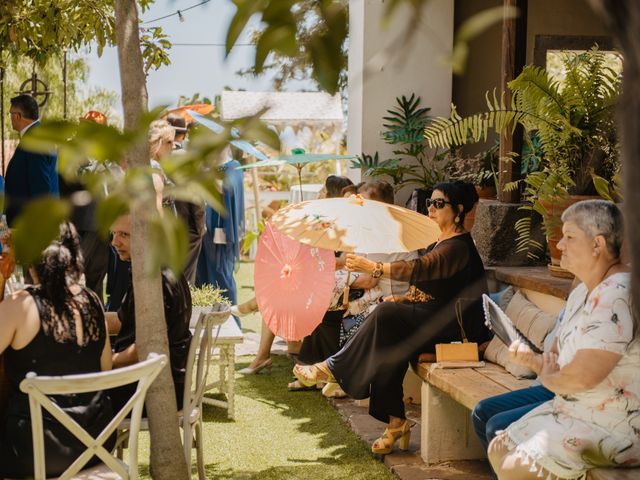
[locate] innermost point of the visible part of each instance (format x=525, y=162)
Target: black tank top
x=55, y=350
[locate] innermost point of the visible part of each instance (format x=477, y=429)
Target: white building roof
x=282, y=106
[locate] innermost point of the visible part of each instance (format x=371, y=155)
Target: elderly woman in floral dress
x=593, y=368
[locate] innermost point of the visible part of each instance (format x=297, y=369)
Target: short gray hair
x=598, y=217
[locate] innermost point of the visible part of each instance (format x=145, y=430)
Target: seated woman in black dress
x=448, y=278
x=55, y=327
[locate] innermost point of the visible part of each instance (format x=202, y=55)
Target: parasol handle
x=345, y=298
x=299, y=167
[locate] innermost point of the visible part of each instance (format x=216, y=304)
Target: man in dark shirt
x=177, y=312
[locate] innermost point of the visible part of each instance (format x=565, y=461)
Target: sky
x=193, y=69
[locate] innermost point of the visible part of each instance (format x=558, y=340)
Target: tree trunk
x=167, y=459
x=623, y=19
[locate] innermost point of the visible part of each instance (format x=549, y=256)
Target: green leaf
x=325, y=46
x=281, y=38
x=34, y=230
x=170, y=243
x=249, y=238
x=245, y=10
x=108, y=211
x=471, y=28
x=482, y=20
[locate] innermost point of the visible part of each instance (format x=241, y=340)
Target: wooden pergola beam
x=514, y=52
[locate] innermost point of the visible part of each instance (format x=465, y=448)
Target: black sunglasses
x=438, y=203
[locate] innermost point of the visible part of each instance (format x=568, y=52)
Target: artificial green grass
x=279, y=435
x=284, y=435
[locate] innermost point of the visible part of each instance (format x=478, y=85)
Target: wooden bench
x=449, y=395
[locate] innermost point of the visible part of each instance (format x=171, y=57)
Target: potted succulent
x=208, y=299
x=573, y=123
x=414, y=163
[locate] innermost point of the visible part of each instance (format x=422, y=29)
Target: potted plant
x=208, y=299
x=573, y=123
x=481, y=170
x=366, y=163
x=414, y=163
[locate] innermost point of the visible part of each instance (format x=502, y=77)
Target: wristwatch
x=377, y=270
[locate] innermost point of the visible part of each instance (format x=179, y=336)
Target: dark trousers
x=497, y=413
x=194, y=218
x=374, y=362
x=323, y=341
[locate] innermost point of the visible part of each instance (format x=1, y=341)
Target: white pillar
x=376, y=78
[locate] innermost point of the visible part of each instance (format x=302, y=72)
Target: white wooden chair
x=39, y=389
x=13, y=284
x=190, y=417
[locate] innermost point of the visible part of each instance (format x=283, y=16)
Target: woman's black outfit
x=177, y=314
x=324, y=340
x=373, y=363
x=54, y=351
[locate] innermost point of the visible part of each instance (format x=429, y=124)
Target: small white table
x=310, y=191
x=224, y=356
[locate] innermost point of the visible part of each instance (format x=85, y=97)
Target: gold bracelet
x=377, y=270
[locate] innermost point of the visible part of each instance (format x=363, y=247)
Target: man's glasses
x=438, y=203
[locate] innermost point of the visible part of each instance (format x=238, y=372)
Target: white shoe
x=237, y=313
x=266, y=365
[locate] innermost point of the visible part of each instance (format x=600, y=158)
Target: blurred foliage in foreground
x=93, y=154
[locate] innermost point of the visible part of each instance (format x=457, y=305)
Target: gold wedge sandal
x=308, y=374
x=333, y=390
x=384, y=444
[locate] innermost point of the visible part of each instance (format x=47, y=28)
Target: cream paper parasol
x=355, y=224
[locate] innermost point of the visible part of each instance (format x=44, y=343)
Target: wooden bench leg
x=446, y=430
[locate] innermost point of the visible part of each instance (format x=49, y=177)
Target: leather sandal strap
x=387, y=439
x=324, y=369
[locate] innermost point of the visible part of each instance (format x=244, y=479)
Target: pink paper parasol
x=293, y=284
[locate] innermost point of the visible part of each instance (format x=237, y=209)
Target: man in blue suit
x=30, y=174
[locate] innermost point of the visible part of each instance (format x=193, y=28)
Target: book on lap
x=502, y=326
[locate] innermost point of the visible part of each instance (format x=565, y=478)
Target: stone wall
x=496, y=237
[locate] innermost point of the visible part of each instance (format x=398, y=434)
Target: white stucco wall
x=377, y=77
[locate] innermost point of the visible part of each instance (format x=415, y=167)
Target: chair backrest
x=197, y=368
x=40, y=388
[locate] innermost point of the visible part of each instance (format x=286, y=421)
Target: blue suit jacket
x=29, y=175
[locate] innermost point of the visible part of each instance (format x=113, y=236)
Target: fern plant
x=413, y=161
x=572, y=123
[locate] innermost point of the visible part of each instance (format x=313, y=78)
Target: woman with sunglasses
x=442, y=305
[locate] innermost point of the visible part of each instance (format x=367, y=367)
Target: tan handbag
x=458, y=352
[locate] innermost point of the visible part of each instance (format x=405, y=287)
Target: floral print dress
x=599, y=427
